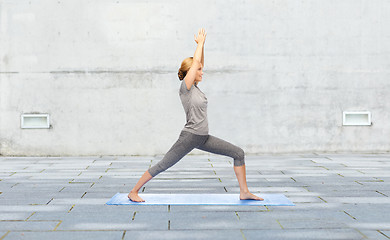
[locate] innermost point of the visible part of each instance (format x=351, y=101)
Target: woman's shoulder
x=184, y=89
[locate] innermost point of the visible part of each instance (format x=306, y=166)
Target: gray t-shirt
x=195, y=105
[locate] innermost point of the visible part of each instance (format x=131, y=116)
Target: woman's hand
x=201, y=38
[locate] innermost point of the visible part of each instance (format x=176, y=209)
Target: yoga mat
x=200, y=199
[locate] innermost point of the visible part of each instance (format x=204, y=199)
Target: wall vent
x=35, y=121
x=359, y=118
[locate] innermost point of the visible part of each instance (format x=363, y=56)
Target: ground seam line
x=1, y=238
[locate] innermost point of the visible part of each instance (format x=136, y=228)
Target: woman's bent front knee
x=239, y=159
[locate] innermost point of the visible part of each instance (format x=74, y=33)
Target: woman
x=195, y=132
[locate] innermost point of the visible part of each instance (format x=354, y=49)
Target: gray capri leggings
x=188, y=141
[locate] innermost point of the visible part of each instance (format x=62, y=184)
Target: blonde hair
x=185, y=66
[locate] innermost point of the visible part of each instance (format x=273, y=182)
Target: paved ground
x=336, y=196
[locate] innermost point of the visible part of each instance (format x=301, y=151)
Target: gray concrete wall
x=278, y=74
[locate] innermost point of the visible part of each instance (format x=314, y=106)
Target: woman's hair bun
x=185, y=66
x=181, y=74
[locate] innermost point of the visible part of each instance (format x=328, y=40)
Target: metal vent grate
x=361, y=118
x=35, y=121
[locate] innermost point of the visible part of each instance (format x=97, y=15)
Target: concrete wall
x=278, y=74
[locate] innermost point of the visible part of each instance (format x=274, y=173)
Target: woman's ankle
x=244, y=191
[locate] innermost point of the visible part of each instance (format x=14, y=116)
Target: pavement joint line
x=169, y=208
x=293, y=179
x=42, y=170
x=364, y=236
x=313, y=161
x=100, y=177
x=220, y=179
x=107, y=170
x=304, y=187
x=343, y=164
x=237, y=215
x=87, y=167
x=279, y=223
x=92, y=185
x=324, y=167
x=242, y=234
x=124, y=233
x=61, y=189
x=282, y=172
x=268, y=210
x=30, y=216
x=377, y=230
x=381, y=193
x=49, y=201
x=340, y=175
x=71, y=181
x=2, y=237
x=14, y=185
x=83, y=194
x=60, y=221
x=71, y=208
x=80, y=173
x=143, y=189
x=169, y=224
x=377, y=178
x=360, y=171
x=214, y=172
x=258, y=211
x=359, y=183
x=322, y=199
x=132, y=219
x=12, y=173
x=350, y=215
x=225, y=189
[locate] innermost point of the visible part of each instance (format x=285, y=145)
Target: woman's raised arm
x=198, y=59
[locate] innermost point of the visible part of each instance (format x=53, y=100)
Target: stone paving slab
x=12, y=216
x=66, y=235
x=299, y=234
x=185, y=234
x=28, y=225
x=204, y=220
x=337, y=196
x=216, y=208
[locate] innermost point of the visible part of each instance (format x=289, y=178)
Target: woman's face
x=199, y=74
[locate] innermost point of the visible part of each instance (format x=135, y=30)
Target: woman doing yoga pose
x=195, y=132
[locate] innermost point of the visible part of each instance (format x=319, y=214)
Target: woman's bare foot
x=133, y=196
x=248, y=195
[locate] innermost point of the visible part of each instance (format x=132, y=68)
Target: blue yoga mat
x=200, y=199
